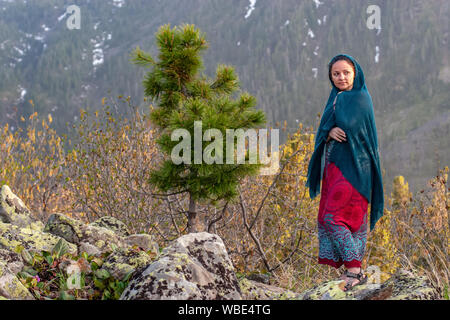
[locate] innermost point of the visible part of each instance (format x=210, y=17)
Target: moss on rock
x=77, y=232
x=10, y=286
x=122, y=261
x=12, y=236
x=14, y=211
x=252, y=290
x=194, y=266
x=112, y=224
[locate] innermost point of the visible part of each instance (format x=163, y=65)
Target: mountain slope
x=280, y=50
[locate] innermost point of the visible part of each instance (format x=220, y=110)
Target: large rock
x=77, y=232
x=195, y=266
x=10, y=286
x=12, y=236
x=90, y=249
x=123, y=261
x=12, y=260
x=14, y=211
x=401, y=286
x=404, y=285
x=253, y=290
x=65, y=227
x=113, y=224
x=143, y=241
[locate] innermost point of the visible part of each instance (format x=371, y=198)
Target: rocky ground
x=131, y=266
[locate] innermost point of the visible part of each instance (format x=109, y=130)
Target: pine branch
x=141, y=58
x=226, y=80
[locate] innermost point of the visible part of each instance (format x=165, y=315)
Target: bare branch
x=255, y=239
x=271, y=186
x=218, y=218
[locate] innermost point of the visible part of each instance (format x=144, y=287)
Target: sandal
x=360, y=276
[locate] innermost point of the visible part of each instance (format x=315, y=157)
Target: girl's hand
x=337, y=134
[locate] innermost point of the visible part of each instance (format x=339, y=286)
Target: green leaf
x=106, y=295
x=49, y=259
x=46, y=253
x=99, y=284
x=37, y=258
x=113, y=285
x=94, y=266
x=82, y=281
x=127, y=276
x=38, y=295
x=85, y=255
x=60, y=248
x=102, y=274
x=23, y=275
x=63, y=295
x=26, y=256
x=30, y=271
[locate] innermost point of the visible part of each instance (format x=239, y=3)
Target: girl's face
x=342, y=75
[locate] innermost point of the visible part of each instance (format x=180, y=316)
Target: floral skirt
x=342, y=221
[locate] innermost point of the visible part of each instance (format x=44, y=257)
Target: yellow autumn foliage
x=30, y=159
x=272, y=226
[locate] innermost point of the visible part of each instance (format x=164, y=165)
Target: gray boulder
x=14, y=211
x=77, y=232
x=10, y=286
x=12, y=236
x=123, y=261
x=113, y=224
x=90, y=249
x=12, y=260
x=253, y=290
x=195, y=266
x=143, y=241
x=403, y=285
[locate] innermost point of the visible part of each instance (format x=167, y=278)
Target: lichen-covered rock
x=10, y=286
x=404, y=285
x=330, y=290
x=12, y=260
x=14, y=211
x=253, y=290
x=143, y=241
x=36, y=225
x=64, y=227
x=90, y=249
x=12, y=236
x=123, y=261
x=113, y=224
x=77, y=232
x=401, y=286
x=195, y=266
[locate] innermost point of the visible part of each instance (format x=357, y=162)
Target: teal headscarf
x=358, y=156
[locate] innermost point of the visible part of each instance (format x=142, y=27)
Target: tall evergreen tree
x=184, y=98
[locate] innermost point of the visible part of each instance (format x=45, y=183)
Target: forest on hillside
x=280, y=50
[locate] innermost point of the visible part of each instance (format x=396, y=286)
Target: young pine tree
x=186, y=99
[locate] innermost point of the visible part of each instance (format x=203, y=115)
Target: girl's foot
x=353, y=279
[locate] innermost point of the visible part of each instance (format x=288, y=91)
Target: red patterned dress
x=342, y=219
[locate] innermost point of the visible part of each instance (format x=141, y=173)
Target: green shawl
x=358, y=156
